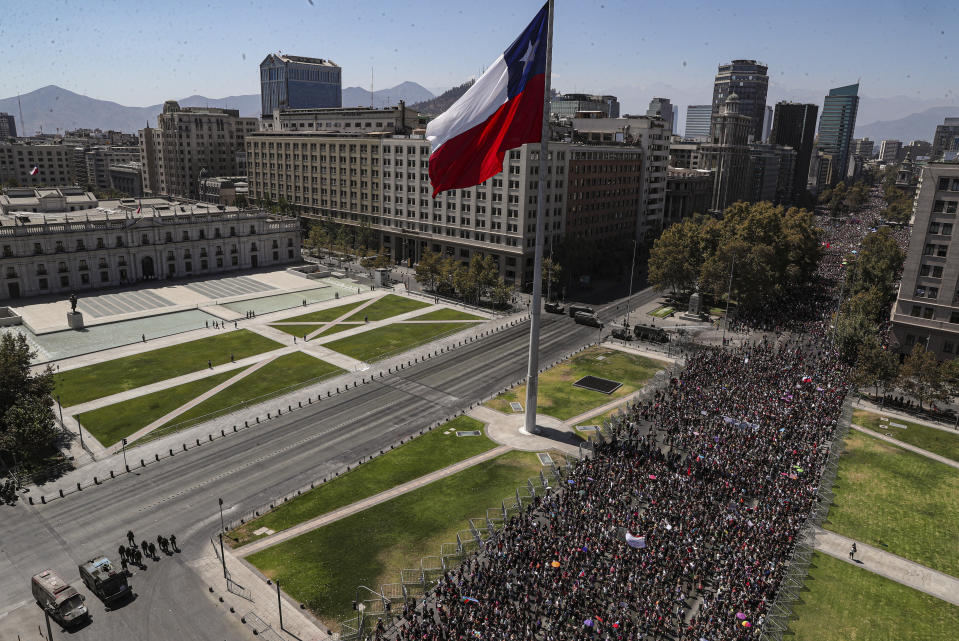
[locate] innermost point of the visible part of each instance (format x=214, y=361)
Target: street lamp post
x=123, y=447
x=222, y=528
x=629, y=294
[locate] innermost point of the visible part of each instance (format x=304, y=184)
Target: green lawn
x=424, y=454
x=841, y=601
x=662, y=312
x=281, y=373
x=898, y=501
x=324, y=315
x=339, y=327
x=448, y=314
x=322, y=568
x=111, y=377
x=928, y=438
x=298, y=330
x=111, y=423
x=558, y=397
x=392, y=339
x=387, y=307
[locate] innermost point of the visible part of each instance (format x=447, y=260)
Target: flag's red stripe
x=477, y=154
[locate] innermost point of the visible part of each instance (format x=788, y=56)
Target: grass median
x=447, y=314
x=284, y=373
x=387, y=307
x=898, y=501
x=322, y=568
x=324, y=315
x=111, y=423
x=922, y=436
x=558, y=397
x=120, y=374
x=393, y=339
x=299, y=330
x=424, y=454
x=841, y=602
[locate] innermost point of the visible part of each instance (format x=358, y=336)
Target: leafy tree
x=427, y=271
x=446, y=275
x=868, y=303
x=950, y=376
x=921, y=377
x=501, y=293
x=241, y=201
x=875, y=365
x=878, y=262
x=552, y=275
x=317, y=237
x=674, y=263
x=344, y=238
x=27, y=429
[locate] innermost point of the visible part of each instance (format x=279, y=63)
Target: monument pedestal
x=75, y=320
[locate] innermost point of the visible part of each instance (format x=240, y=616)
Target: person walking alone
x=852, y=552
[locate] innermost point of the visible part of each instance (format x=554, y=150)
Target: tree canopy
x=28, y=433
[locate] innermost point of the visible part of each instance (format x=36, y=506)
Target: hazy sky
x=141, y=53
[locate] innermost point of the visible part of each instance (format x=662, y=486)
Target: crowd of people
x=681, y=524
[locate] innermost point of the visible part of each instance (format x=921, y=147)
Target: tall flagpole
x=532, y=376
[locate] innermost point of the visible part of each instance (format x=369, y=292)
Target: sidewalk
x=942, y=586
x=906, y=446
x=261, y=602
x=368, y=502
x=869, y=406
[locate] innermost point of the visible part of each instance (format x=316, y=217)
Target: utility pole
x=729, y=295
x=629, y=294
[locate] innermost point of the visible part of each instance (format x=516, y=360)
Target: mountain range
x=53, y=108
x=917, y=126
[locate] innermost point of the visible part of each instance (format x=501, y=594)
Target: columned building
x=688, y=192
x=58, y=252
x=727, y=154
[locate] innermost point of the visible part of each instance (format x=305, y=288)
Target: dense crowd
x=681, y=524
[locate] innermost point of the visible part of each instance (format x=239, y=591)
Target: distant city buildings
x=889, y=151
x=945, y=140
x=698, y=122
x=771, y=173
x=662, y=108
x=767, y=123
x=224, y=190
x=570, y=104
x=97, y=162
x=8, y=126
x=190, y=143
x=298, y=82
x=727, y=153
x=794, y=125
x=127, y=178
x=927, y=307
x=747, y=79
x=836, y=126
x=399, y=119
x=26, y=164
x=688, y=192
x=66, y=240
x=864, y=147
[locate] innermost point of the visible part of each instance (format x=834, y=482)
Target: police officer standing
x=173, y=543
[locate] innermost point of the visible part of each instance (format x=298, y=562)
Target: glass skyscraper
x=296, y=82
x=836, y=126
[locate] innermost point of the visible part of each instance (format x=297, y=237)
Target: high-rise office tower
x=946, y=138
x=794, y=125
x=697, y=121
x=889, y=150
x=749, y=81
x=664, y=109
x=836, y=126
x=296, y=82
x=863, y=147
x=8, y=126
x=767, y=123
x=727, y=153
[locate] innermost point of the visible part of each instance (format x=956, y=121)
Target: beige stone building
x=190, y=143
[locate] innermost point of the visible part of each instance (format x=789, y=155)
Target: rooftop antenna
x=19, y=106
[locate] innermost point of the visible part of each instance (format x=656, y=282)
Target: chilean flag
x=501, y=111
x=34, y=171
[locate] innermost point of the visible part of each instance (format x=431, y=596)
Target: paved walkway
x=260, y=598
x=163, y=420
x=896, y=568
x=368, y=502
x=350, y=312
x=869, y=406
x=907, y=446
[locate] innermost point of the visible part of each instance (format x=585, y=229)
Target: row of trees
x=349, y=239
x=772, y=250
x=920, y=375
x=28, y=433
x=475, y=282
x=898, y=202
x=842, y=200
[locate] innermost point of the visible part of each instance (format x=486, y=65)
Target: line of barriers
x=142, y=462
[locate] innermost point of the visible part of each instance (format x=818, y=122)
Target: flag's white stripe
x=474, y=107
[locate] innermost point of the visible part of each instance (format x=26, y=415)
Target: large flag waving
x=501, y=111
